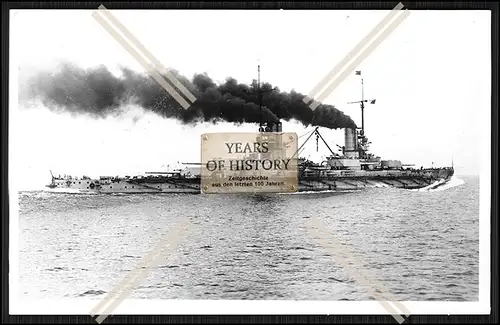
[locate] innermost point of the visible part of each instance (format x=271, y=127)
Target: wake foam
x=441, y=185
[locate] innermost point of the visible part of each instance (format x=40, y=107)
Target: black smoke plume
x=99, y=93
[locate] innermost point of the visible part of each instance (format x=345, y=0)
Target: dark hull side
x=308, y=182
x=400, y=179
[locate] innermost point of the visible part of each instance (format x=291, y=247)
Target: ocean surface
x=408, y=245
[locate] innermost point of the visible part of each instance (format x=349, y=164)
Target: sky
x=430, y=78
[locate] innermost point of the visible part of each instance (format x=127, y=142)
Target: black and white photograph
x=250, y=161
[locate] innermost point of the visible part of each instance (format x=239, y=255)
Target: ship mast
x=364, y=140
x=261, y=128
x=362, y=103
x=362, y=106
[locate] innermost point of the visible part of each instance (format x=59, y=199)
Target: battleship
x=349, y=167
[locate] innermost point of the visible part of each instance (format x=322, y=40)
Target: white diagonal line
x=328, y=78
x=352, y=53
x=130, y=282
x=362, y=280
x=147, y=66
x=134, y=277
x=352, y=258
x=350, y=68
x=347, y=257
x=147, y=53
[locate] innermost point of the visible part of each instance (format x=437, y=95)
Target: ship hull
x=408, y=179
x=308, y=182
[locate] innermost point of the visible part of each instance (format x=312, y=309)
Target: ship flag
x=358, y=73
